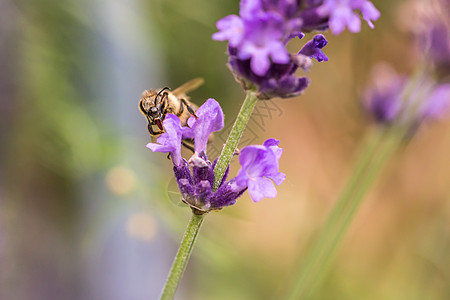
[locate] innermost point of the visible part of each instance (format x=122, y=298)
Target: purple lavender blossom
x=439, y=45
x=428, y=23
x=381, y=99
x=259, y=169
x=391, y=100
x=196, y=177
x=257, y=47
x=231, y=28
x=434, y=35
x=258, y=37
x=341, y=14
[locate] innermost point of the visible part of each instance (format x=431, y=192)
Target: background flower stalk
x=398, y=106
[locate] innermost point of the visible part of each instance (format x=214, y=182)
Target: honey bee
x=155, y=105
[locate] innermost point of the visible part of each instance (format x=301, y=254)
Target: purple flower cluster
x=391, y=99
x=195, y=177
x=258, y=37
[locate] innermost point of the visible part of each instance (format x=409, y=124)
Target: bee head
x=155, y=115
x=154, y=112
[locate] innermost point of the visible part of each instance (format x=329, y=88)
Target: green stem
x=385, y=151
x=234, y=137
x=378, y=149
x=182, y=257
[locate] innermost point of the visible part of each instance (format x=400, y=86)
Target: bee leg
x=188, y=146
x=189, y=108
x=150, y=130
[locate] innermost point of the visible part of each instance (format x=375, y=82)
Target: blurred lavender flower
x=435, y=37
x=439, y=46
x=259, y=163
x=389, y=100
x=258, y=37
x=341, y=14
x=429, y=23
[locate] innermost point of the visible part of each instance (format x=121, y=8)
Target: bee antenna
x=162, y=90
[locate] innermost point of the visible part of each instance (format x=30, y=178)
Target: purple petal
x=370, y=13
x=342, y=17
x=279, y=54
x=261, y=188
x=209, y=119
x=278, y=178
x=264, y=37
x=272, y=144
x=170, y=140
x=249, y=8
x=187, y=132
x=260, y=62
x=437, y=104
x=231, y=28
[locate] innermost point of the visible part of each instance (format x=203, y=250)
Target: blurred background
x=88, y=212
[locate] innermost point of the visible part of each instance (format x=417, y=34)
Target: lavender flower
x=259, y=163
x=439, y=46
x=390, y=102
x=258, y=37
x=434, y=36
x=259, y=167
x=427, y=21
x=341, y=14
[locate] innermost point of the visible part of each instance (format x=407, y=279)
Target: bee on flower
x=195, y=177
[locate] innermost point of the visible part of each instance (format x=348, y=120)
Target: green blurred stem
x=234, y=137
x=182, y=257
x=379, y=148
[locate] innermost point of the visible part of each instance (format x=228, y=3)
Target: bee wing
x=188, y=86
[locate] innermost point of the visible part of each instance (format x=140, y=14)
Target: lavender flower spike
x=259, y=167
x=258, y=56
x=170, y=140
